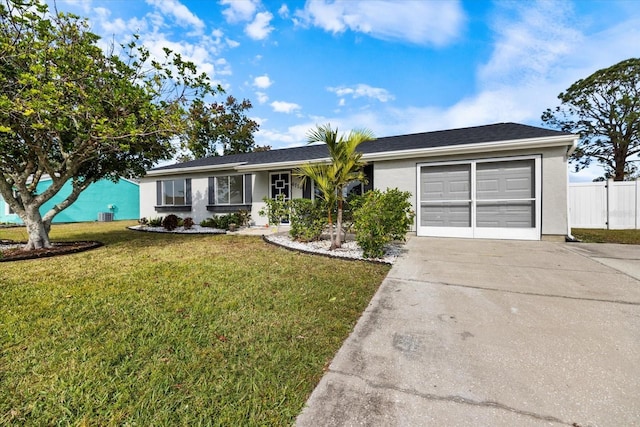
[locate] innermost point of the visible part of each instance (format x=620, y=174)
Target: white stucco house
x=500, y=181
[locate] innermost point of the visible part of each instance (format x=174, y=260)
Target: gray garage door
x=484, y=199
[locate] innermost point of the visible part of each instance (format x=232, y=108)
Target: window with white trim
x=174, y=192
x=229, y=190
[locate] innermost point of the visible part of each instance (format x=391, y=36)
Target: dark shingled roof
x=443, y=138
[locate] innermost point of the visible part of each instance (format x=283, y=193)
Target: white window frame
x=184, y=195
x=530, y=233
x=215, y=190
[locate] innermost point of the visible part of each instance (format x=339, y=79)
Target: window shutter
x=187, y=190
x=248, y=191
x=210, y=190
x=158, y=193
x=368, y=172
x=306, y=189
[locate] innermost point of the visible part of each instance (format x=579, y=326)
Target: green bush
x=277, y=210
x=225, y=220
x=308, y=218
x=156, y=222
x=381, y=217
x=209, y=222
x=170, y=222
x=244, y=216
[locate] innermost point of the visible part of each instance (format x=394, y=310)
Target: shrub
x=209, y=222
x=381, y=218
x=156, y=222
x=277, y=210
x=225, y=220
x=143, y=221
x=170, y=222
x=187, y=223
x=244, y=216
x=308, y=218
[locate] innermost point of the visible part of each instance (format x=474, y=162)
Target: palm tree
x=323, y=176
x=346, y=166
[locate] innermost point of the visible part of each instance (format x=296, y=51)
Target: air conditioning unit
x=105, y=216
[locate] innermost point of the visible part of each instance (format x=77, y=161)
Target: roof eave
x=194, y=169
x=516, y=144
x=279, y=165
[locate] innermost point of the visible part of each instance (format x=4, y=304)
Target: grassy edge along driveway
x=158, y=329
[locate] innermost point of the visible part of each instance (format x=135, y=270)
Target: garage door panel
x=506, y=215
x=446, y=215
x=446, y=183
x=511, y=180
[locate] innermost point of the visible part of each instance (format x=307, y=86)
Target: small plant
x=244, y=216
x=187, y=223
x=209, y=222
x=143, y=221
x=170, y=222
x=156, y=222
x=381, y=218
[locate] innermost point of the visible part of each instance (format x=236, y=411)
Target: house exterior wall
x=200, y=196
x=401, y=174
x=122, y=196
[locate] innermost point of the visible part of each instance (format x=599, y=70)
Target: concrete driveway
x=492, y=333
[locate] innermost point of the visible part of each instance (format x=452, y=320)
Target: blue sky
x=394, y=67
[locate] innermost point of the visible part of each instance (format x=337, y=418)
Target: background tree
x=604, y=110
x=346, y=166
x=219, y=128
x=76, y=113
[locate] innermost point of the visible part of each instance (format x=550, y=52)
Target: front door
x=280, y=185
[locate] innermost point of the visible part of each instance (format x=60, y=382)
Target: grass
x=158, y=329
x=590, y=235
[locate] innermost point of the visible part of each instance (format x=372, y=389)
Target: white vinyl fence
x=612, y=205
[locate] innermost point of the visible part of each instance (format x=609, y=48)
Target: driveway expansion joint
x=507, y=291
x=454, y=399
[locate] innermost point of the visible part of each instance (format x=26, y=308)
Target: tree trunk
x=330, y=219
x=37, y=230
x=338, y=237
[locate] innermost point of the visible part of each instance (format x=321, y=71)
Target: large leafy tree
x=604, y=110
x=219, y=128
x=346, y=165
x=76, y=113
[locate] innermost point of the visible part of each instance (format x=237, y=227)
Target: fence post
x=637, y=194
x=609, y=188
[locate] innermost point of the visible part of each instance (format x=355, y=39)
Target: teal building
x=102, y=200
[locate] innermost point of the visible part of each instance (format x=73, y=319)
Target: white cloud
x=183, y=16
x=239, y=10
x=530, y=42
x=416, y=21
x=260, y=29
x=262, y=97
x=283, y=11
x=284, y=107
x=362, y=90
x=262, y=82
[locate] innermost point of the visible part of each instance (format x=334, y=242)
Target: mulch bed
x=59, y=248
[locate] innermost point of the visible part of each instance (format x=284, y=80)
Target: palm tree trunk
x=330, y=219
x=338, y=238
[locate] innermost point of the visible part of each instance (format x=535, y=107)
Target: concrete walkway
x=492, y=333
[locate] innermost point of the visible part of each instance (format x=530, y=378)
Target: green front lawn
x=158, y=329
x=590, y=235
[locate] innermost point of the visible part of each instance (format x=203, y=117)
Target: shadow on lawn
x=68, y=239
